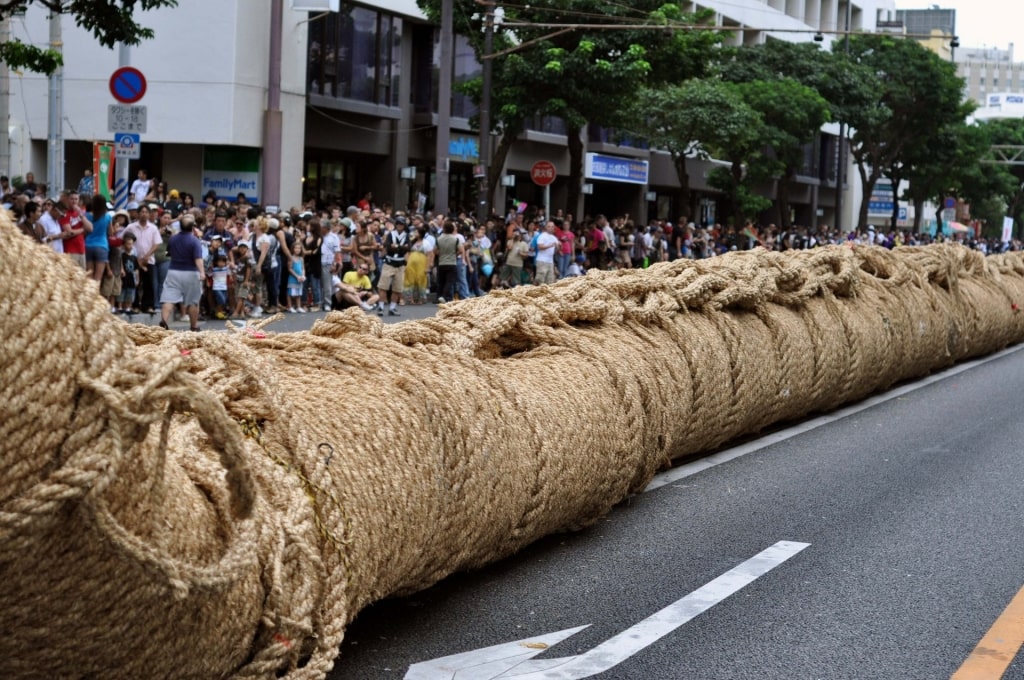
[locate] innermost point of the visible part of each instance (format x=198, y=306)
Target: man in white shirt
x=141, y=187
x=547, y=245
x=49, y=217
x=330, y=263
x=147, y=240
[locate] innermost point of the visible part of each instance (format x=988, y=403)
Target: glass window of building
x=356, y=54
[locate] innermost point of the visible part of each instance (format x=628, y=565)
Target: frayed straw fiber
x=223, y=504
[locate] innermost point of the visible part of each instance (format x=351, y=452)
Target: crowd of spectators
x=321, y=257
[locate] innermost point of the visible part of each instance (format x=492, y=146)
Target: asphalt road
x=912, y=509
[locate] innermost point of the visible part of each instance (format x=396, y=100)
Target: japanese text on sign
x=126, y=118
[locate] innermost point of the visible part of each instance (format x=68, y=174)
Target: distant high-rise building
x=934, y=28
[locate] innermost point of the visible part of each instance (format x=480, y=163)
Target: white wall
x=207, y=73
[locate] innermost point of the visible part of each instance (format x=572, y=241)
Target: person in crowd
x=449, y=250
x=243, y=267
x=159, y=194
x=141, y=188
x=266, y=246
x=512, y=269
x=312, y=243
x=330, y=261
x=566, y=243
x=147, y=240
x=29, y=223
x=97, y=240
x=296, y=279
x=363, y=247
x=161, y=259
x=29, y=186
x=345, y=295
x=86, y=184
x=547, y=246
x=76, y=225
x=416, y=268
x=359, y=279
x=391, y=284
x=463, y=265
x=129, y=273
x=220, y=284
x=185, y=279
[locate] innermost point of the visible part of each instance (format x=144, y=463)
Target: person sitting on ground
x=359, y=279
x=345, y=296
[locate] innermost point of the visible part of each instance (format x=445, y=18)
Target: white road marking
x=512, y=660
x=688, y=469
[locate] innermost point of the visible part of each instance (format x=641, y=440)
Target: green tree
x=1006, y=188
x=908, y=95
x=110, y=22
x=784, y=82
x=949, y=165
x=582, y=75
x=686, y=120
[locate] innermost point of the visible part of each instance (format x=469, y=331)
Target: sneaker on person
x=326, y=308
x=393, y=312
x=302, y=310
x=366, y=307
x=441, y=300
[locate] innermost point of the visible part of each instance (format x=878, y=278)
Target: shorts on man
x=182, y=286
x=392, y=278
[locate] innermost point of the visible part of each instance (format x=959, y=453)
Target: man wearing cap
x=392, y=275
x=184, y=284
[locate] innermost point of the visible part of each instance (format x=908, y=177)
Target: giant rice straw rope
x=223, y=504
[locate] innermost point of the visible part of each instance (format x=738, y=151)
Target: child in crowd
x=129, y=273
x=296, y=279
x=220, y=275
x=243, y=281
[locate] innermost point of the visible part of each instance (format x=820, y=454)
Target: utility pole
x=484, y=204
x=5, y=102
x=842, y=162
x=121, y=183
x=273, y=118
x=444, y=109
x=55, y=132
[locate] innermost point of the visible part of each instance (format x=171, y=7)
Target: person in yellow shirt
x=359, y=279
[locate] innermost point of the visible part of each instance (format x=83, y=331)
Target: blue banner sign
x=615, y=169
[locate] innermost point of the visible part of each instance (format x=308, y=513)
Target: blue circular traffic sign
x=128, y=85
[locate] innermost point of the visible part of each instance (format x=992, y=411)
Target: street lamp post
x=484, y=204
x=841, y=170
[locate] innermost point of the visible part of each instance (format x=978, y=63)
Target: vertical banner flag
x=1007, y=229
x=102, y=167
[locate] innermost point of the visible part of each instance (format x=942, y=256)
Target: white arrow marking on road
x=513, y=659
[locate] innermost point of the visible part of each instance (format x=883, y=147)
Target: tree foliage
x=110, y=22
x=688, y=121
x=911, y=96
x=783, y=83
x=583, y=76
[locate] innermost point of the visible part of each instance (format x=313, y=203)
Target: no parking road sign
x=128, y=85
x=127, y=145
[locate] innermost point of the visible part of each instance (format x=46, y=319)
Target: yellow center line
x=994, y=653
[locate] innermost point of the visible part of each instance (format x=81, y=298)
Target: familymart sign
x=232, y=170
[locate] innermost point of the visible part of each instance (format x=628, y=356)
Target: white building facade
x=358, y=107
